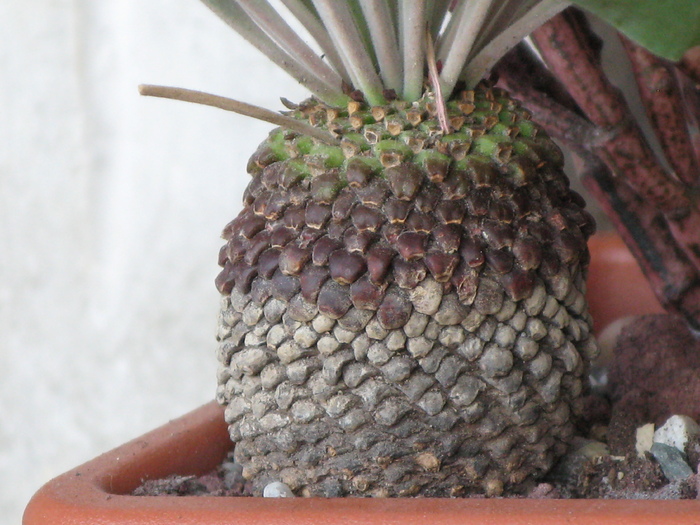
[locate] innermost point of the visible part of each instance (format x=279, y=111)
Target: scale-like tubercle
x=404, y=314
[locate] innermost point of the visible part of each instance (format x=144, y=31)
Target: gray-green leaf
x=665, y=27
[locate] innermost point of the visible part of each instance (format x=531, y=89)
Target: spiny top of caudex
x=376, y=50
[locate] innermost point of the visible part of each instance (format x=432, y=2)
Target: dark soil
x=654, y=374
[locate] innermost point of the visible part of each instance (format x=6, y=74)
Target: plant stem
x=564, y=50
x=620, y=171
x=236, y=17
x=500, y=16
x=672, y=278
x=487, y=57
x=411, y=36
x=339, y=22
x=437, y=16
x=313, y=25
x=435, y=81
x=269, y=20
x=248, y=110
x=691, y=101
x=471, y=19
x=663, y=101
x=383, y=34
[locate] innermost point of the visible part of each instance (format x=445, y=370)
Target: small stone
x=277, y=489
x=272, y=375
x=556, y=337
x=592, y=450
x=549, y=390
x=428, y=461
x=333, y=366
x=489, y=297
x=233, y=475
x=354, y=419
x=671, y=461
x=239, y=300
x=544, y=491
x=251, y=360
x=391, y=411
x=431, y=362
x=355, y=320
x=551, y=307
x=645, y=439
x=561, y=319
x=677, y=432
x=299, y=371
x=371, y=392
x=416, y=385
x=487, y=329
x=355, y=373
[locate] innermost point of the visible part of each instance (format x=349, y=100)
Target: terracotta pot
x=97, y=492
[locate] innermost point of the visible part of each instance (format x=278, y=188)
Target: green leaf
x=665, y=27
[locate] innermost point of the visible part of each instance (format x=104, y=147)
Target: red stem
x=566, y=50
x=690, y=64
x=671, y=275
x=650, y=208
x=664, y=104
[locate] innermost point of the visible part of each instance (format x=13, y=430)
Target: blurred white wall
x=111, y=206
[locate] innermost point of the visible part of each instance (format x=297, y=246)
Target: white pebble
x=277, y=489
x=677, y=432
x=645, y=439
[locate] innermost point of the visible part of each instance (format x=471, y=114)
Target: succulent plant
x=403, y=308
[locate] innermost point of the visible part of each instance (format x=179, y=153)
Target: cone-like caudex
x=404, y=313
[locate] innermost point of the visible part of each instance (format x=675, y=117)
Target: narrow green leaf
x=666, y=27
